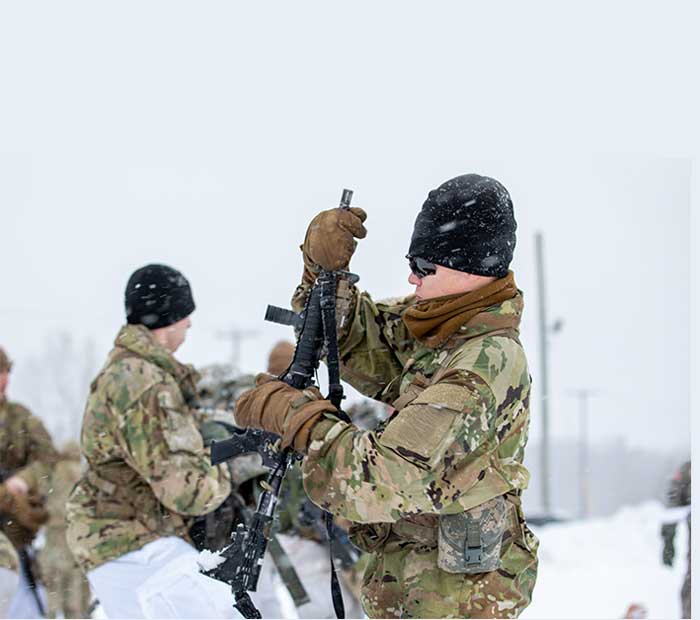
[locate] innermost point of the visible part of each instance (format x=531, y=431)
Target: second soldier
x=148, y=472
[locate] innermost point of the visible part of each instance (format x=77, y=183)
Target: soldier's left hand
x=330, y=238
x=279, y=408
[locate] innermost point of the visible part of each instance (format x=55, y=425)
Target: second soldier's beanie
x=157, y=296
x=467, y=224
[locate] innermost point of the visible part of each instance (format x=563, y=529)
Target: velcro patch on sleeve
x=418, y=431
x=445, y=396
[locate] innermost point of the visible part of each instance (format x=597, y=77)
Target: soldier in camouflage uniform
x=26, y=450
x=26, y=457
x=66, y=586
x=435, y=492
x=678, y=496
x=148, y=473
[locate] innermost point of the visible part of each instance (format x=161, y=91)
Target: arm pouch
x=470, y=542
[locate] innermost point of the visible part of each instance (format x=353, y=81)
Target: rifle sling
x=287, y=572
x=336, y=592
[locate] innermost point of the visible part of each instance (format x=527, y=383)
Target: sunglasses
x=421, y=267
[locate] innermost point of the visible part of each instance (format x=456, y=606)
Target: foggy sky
x=207, y=136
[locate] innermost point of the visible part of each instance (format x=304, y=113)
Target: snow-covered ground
x=596, y=568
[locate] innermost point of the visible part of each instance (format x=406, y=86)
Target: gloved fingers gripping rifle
x=317, y=337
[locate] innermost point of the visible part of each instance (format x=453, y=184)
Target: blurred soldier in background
x=678, y=496
x=26, y=457
x=279, y=359
x=67, y=588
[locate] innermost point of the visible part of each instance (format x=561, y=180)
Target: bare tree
x=60, y=381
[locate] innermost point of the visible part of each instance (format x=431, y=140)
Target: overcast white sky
x=207, y=135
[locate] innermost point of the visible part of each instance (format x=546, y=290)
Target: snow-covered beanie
x=157, y=296
x=467, y=224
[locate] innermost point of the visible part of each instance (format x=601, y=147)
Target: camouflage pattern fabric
x=679, y=494
x=219, y=387
x=148, y=472
x=26, y=448
x=8, y=555
x=67, y=588
x=455, y=441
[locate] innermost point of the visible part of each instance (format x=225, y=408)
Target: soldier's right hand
x=25, y=509
x=330, y=238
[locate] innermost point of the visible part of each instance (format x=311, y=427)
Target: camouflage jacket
x=8, y=555
x=454, y=443
x=147, y=471
x=26, y=448
x=458, y=436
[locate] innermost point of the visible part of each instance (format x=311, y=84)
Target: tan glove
x=24, y=515
x=279, y=408
x=330, y=238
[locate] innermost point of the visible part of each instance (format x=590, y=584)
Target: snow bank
x=598, y=567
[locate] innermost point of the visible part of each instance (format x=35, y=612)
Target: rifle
x=25, y=557
x=317, y=335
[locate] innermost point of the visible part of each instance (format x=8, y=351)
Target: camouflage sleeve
x=429, y=456
x=41, y=456
x=161, y=441
x=372, y=340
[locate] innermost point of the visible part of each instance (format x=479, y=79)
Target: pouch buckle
x=473, y=547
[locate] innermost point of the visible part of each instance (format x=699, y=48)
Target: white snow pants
x=162, y=580
x=23, y=604
x=8, y=587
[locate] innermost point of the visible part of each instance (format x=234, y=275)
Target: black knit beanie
x=467, y=224
x=157, y=296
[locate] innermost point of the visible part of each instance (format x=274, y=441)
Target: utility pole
x=544, y=379
x=235, y=337
x=583, y=396
x=544, y=329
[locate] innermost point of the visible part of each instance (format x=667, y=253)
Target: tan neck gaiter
x=433, y=321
